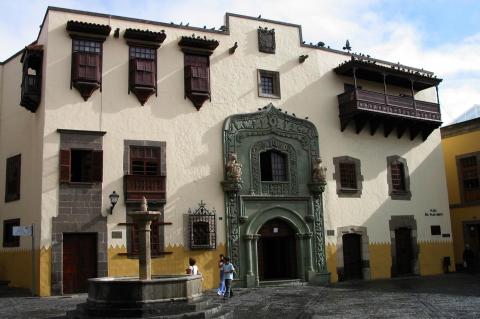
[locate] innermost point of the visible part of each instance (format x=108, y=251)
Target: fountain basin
x=133, y=291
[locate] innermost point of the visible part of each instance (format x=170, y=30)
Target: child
x=228, y=270
x=192, y=269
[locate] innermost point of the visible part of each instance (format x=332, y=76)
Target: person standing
x=192, y=268
x=228, y=270
x=221, y=287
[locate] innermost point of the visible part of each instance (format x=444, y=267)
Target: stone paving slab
x=447, y=296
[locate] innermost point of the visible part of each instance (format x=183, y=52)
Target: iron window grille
x=268, y=84
x=202, y=228
x=348, y=176
x=398, y=177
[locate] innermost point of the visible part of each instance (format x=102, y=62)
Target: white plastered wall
x=194, y=139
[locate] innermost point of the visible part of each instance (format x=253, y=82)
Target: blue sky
x=438, y=35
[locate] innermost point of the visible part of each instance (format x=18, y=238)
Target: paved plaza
x=447, y=296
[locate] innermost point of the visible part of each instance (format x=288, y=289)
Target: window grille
x=202, y=228
x=273, y=166
x=12, y=178
x=348, y=177
x=87, y=46
x=398, y=176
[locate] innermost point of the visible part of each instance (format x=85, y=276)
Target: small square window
x=435, y=230
x=268, y=84
x=8, y=239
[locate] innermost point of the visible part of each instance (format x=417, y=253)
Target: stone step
x=283, y=283
x=223, y=314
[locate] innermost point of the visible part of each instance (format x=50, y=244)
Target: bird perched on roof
x=347, y=46
x=259, y=16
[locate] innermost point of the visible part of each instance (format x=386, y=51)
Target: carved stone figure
x=144, y=205
x=234, y=169
x=319, y=171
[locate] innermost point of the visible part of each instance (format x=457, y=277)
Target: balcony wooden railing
x=152, y=187
x=363, y=106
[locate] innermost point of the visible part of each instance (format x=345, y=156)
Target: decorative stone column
x=301, y=253
x=232, y=189
x=317, y=187
x=256, y=237
x=143, y=219
x=249, y=276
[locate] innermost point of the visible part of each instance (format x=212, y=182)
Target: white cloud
x=332, y=21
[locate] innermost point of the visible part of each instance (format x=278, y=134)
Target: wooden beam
x=374, y=124
x=387, y=127
x=401, y=128
x=360, y=122
x=414, y=130
x=426, y=132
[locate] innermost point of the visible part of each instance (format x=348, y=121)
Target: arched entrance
x=277, y=254
x=352, y=256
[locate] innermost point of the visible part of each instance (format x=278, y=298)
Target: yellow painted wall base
x=331, y=250
x=431, y=257
x=175, y=263
x=380, y=260
x=16, y=267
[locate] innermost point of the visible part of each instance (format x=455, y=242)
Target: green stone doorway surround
x=251, y=201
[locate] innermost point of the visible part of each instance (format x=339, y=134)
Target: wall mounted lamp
x=113, y=200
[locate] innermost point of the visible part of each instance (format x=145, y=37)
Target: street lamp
x=113, y=200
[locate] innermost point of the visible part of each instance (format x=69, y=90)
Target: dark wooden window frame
x=278, y=171
x=394, y=193
x=276, y=84
x=142, y=90
x=13, y=178
x=343, y=191
x=66, y=166
x=8, y=239
x=458, y=159
x=154, y=239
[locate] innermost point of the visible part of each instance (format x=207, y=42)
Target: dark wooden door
x=404, y=252
x=79, y=261
x=352, y=256
x=277, y=254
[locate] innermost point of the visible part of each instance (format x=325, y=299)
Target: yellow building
x=461, y=149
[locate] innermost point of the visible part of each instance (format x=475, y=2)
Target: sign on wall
x=433, y=212
x=22, y=230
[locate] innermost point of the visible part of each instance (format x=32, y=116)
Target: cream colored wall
x=194, y=139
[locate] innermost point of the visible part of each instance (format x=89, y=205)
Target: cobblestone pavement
x=448, y=296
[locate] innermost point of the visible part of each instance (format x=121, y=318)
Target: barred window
x=268, y=84
x=154, y=239
x=398, y=176
x=202, y=228
x=348, y=176
x=12, y=178
x=8, y=239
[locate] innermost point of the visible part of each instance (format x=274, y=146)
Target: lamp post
x=113, y=200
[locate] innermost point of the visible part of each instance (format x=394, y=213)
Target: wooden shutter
x=197, y=73
x=86, y=67
x=97, y=166
x=65, y=163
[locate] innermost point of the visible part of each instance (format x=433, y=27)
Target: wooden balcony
x=152, y=187
x=393, y=112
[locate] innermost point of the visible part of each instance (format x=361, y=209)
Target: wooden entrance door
x=79, y=261
x=277, y=254
x=403, y=250
x=352, y=256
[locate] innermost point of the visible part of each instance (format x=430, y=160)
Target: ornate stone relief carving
x=266, y=40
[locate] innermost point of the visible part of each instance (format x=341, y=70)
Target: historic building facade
x=299, y=161
x=461, y=149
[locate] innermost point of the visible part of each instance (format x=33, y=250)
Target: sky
x=442, y=36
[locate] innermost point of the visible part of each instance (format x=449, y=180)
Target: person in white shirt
x=228, y=270
x=192, y=269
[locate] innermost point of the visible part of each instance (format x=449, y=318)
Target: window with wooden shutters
x=348, y=176
x=8, y=239
x=142, y=66
x=197, y=73
x=398, y=176
x=12, y=178
x=470, y=178
x=86, y=60
x=145, y=160
x=81, y=166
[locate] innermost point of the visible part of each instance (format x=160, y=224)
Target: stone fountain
x=166, y=296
